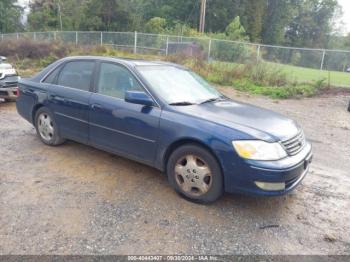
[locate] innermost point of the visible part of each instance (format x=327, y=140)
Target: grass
x=301, y=74
x=257, y=79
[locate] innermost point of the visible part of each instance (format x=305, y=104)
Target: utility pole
x=202, y=16
x=60, y=14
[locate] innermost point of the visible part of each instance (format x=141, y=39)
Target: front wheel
x=195, y=174
x=46, y=127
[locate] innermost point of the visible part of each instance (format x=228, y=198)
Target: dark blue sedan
x=166, y=116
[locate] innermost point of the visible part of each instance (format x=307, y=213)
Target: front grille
x=294, y=145
x=7, y=85
x=11, y=78
x=9, y=81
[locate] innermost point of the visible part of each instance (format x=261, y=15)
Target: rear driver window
x=50, y=79
x=77, y=75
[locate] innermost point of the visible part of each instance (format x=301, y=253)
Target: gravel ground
x=75, y=199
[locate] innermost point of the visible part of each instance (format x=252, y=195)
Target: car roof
x=128, y=61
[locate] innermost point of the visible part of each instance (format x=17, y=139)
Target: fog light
x=271, y=186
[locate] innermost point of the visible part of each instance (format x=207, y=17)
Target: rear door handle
x=96, y=107
x=28, y=91
x=58, y=98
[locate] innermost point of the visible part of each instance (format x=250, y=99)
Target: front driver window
x=115, y=80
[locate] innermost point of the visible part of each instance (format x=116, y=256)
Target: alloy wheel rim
x=193, y=175
x=45, y=127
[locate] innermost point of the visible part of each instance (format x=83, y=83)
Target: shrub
x=26, y=48
x=263, y=74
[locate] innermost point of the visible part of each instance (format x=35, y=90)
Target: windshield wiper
x=220, y=98
x=184, y=103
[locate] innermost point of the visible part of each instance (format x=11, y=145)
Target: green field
x=301, y=74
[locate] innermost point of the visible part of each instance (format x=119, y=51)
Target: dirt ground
x=75, y=199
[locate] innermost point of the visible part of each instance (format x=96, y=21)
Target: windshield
x=178, y=86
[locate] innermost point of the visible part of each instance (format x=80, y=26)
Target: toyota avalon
x=168, y=117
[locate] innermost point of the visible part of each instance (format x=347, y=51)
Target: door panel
x=118, y=126
x=71, y=111
x=123, y=127
x=69, y=98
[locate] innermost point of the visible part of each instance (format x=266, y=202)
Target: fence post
x=54, y=36
x=17, y=36
x=101, y=38
x=34, y=36
x=167, y=46
x=209, y=50
x=76, y=38
x=322, y=61
x=258, y=54
x=135, y=43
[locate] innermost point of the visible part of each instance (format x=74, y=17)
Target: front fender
x=177, y=129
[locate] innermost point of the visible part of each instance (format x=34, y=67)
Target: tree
x=108, y=15
x=173, y=11
x=304, y=23
x=43, y=15
x=220, y=13
x=10, y=16
x=228, y=51
x=278, y=15
x=235, y=30
x=312, y=26
x=156, y=25
x=254, y=12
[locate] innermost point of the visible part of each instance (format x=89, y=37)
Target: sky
x=344, y=3
x=346, y=17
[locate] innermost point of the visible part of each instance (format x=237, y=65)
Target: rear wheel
x=195, y=174
x=46, y=127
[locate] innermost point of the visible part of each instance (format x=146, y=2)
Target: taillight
x=17, y=92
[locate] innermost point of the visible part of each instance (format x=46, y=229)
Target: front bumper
x=289, y=171
x=8, y=92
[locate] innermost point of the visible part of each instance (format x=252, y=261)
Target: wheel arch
x=186, y=141
x=35, y=109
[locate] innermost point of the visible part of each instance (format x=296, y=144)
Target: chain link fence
x=210, y=49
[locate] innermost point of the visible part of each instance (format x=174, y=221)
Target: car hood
x=258, y=122
x=5, y=66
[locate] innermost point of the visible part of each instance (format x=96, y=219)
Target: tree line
x=300, y=23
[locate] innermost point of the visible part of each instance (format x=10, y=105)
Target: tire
x=195, y=174
x=46, y=127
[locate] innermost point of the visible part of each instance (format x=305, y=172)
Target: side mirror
x=3, y=59
x=137, y=97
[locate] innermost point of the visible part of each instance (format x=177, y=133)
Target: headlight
x=259, y=150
